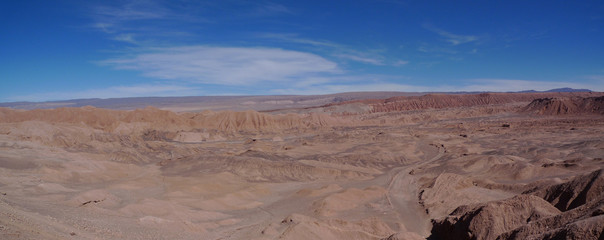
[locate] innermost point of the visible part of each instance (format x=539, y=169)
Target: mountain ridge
x=236, y=103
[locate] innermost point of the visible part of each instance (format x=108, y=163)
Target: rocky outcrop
x=584, y=222
x=489, y=220
x=570, y=210
x=141, y=120
x=566, y=105
x=574, y=193
x=438, y=101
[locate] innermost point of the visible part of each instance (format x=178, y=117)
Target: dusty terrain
x=482, y=166
x=216, y=103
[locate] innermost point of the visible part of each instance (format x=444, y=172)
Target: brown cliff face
x=571, y=210
x=584, y=222
x=436, y=101
x=439, y=101
x=154, y=118
x=566, y=105
x=574, y=193
x=489, y=220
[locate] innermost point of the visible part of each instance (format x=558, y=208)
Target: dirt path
x=402, y=197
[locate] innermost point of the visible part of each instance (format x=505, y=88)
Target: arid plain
x=473, y=166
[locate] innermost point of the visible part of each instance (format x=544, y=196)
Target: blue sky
x=54, y=50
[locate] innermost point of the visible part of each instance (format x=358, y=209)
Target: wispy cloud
x=104, y=27
x=148, y=20
x=226, y=65
x=434, y=49
x=126, y=37
x=454, y=39
x=272, y=8
x=112, y=19
x=133, y=10
x=294, y=38
x=361, y=59
x=400, y=63
x=340, y=51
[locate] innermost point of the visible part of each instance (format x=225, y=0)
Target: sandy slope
x=87, y=173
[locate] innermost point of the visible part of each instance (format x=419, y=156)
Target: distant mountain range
x=559, y=90
x=235, y=103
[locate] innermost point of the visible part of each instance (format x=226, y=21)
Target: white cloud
x=454, y=39
x=356, y=58
x=291, y=37
x=105, y=27
x=121, y=20
x=334, y=49
x=114, y=20
x=431, y=49
x=226, y=65
x=400, y=63
x=129, y=38
x=132, y=10
x=272, y=8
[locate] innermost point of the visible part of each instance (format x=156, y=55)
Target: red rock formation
x=155, y=118
x=489, y=220
x=568, y=105
x=436, y=101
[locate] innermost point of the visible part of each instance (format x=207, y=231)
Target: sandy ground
x=368, y=176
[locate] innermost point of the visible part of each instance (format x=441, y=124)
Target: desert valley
x=415, y=166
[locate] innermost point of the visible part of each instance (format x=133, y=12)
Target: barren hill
x=436, y=101
x=566, y=105
x=153, y=118
x=215, y=103
x=526, y=216
x=438, y=166
x=261, y=103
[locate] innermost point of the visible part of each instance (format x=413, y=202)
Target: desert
x=408, y=166
x=301, y=120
